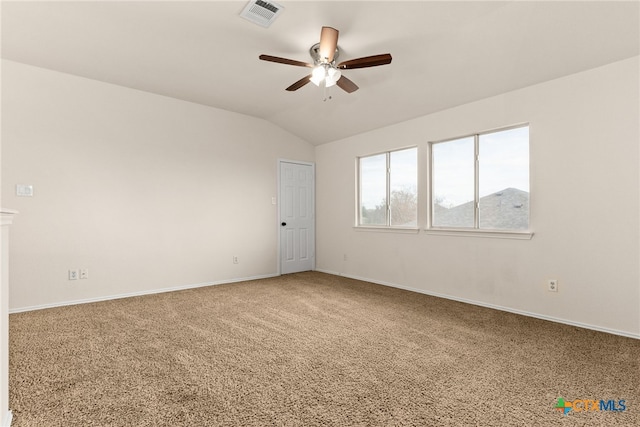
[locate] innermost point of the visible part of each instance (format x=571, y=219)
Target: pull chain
x=324, y=89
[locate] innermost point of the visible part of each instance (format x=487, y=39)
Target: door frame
x=278, y=221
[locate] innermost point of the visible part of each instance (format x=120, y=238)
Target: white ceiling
x=444, y=53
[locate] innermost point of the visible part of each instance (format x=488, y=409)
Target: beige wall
x=584, y=139
x=147, y=192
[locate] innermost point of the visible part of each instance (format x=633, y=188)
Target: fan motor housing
x=314, y=51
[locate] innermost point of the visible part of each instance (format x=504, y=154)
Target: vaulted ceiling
x=445, y=53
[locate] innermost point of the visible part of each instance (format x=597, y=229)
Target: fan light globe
x=317, y=75
x=333, y=75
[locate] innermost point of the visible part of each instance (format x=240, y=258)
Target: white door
x=297, y=218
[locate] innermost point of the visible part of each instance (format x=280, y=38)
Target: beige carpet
x=310, y=349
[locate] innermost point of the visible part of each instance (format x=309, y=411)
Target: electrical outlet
x=73, y=274
x=84, y=273
x=552, y=285
x=235, y=259
x=344, y=257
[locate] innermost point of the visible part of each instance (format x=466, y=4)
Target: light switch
x=24, y=190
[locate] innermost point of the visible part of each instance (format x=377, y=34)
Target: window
x=388, y=194
x=482, y=181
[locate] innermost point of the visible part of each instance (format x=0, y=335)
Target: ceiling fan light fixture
x=325, y=67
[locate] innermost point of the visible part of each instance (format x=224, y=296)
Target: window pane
x=373, y=190
x=504, y=179
x=453, y=183
x=403, y=187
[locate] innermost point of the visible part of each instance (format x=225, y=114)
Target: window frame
x=474, y=231
x=387, y=226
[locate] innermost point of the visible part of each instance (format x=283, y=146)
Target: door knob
x=283, y=224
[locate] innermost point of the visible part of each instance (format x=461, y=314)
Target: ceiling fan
x=325, y=69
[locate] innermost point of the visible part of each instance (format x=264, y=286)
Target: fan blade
x=297, y=85
x=284, y=61
x=346, y=84
x=328, y=43
x=367, y=61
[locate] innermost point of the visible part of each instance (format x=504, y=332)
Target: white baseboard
x=6, y=421
x=492, y=306
x=137, y=294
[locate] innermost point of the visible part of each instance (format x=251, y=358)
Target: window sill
x=493, y=234
x=382, y=229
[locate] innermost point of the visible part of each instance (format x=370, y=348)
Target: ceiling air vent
x=261, y=12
